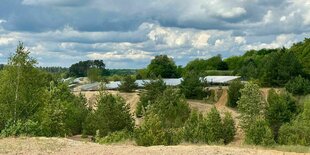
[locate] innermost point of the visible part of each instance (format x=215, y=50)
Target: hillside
x=41, y=145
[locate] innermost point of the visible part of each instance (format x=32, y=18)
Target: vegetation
x=193, y=87
x=81, y=68
x=128, y=84
x=298, y=86
x=163, y=66
x=153, y=90
x=234, y=93
x=112, y=114
x=281, y=109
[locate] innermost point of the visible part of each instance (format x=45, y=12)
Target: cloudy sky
x=128, y=33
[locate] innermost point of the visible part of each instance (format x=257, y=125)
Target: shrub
x=298, y=86
x=152, y=132
x=153, y=89
x=214, y=126
x=250, y=105
x=229, y=129
x=281, y=109
x=259, y=133
x=192, y=87
x=234, y=93
x=193, y=131
x=112, y=114
x=114, y=137
x=128, y=84
x=298, y=131
x=21, y=128
x=172, y=108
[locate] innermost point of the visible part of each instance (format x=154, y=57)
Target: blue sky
x=129, y=33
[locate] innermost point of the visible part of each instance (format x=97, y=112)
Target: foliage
x=94, y=74
x=193, y=127
x=112, y=114
x=201, y=65
x=153, y=90
x=229, y=129
x=193, y=87
x=250, y=105
x=81, y=68
x=153, y=132
x=301, y=50
x=163, y=66
x=298, y=86
x=298, y=131
x=172, y=108
x=21, y=87
x=114, y=137
x=214, y=127
x=128, y=84
x=20, y=128
x=234, y=93
x=259, y=133
x=279, y=67
x=281, y=109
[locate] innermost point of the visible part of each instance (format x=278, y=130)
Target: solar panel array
x=169, y=82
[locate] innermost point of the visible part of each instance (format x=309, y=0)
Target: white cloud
x=240, y=40
x=116, y=55
x=6, y=40
x=283, y=40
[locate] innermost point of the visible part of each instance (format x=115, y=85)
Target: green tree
x=298, y=86
x=229, y=129
x=94, y=74
x=259, y=133
x=193, y=87
x=128, y=84
x=112, y=114
x=280, y=109
x=172, y=108
x=163, y=66
x=193, y=127
x=214, y=126
x=153, y=89
x=234, y=93
x=81, y=68
x=250, y=105
x=297, y=132
x=21, y=87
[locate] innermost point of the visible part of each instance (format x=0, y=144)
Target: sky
x=129, y=33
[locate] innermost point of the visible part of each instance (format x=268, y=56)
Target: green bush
x=229, y=129
x=192, y=86
x=172, y=108
x=153, y=132
x=298, y=131
x=128, y=84
x=259, y=133
x=193, y=131
x=21, y=128
x=281, y=109
x=214, y=127
x=234, y=93
x=114, y=137
x=298, y=86
x=153, y=90
x=112, y=114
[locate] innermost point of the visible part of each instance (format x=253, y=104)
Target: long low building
x=170, y=82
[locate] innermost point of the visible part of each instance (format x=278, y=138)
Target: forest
x=34, y=101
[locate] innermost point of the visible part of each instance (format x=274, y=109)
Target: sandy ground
x=63, y=146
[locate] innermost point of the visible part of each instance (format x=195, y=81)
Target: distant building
x=216, y=80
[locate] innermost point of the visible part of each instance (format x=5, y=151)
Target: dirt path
x=63, y=146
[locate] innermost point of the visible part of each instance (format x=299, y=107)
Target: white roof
x=220, y=79
x=169, y=82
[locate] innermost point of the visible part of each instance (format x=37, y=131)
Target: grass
x=292, y=148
